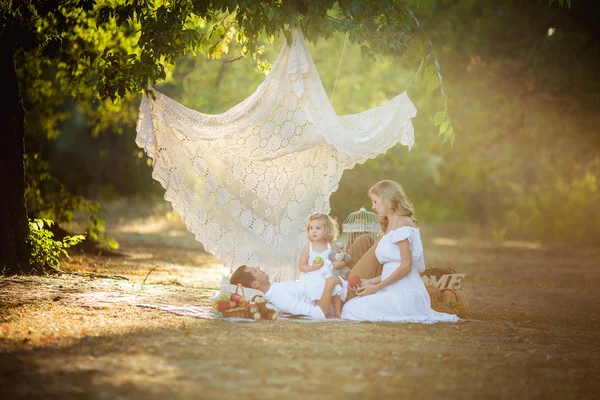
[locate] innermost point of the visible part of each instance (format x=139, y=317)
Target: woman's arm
x=303, y=263
x=405, y=266
x=364, y=282
x=372, y=281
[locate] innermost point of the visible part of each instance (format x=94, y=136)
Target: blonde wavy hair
x=329, y=224
x=393, y=197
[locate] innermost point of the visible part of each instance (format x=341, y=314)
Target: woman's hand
x=367, y=290
x=363, y=283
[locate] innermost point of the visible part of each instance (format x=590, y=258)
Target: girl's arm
x=303, y=263
x=399, y=273
x=339, y=264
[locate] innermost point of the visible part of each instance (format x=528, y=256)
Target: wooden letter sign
x=448, y=281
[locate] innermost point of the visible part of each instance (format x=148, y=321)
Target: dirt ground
x=81, y=336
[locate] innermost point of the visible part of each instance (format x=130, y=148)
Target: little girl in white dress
x=398, y=295
x=315, y=266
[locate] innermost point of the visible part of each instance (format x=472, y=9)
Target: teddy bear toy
x=340, y=255
x=264, y=312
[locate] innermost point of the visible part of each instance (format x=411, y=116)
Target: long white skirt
x=404, y=301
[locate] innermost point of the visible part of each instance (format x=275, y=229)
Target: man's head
x=250, y=277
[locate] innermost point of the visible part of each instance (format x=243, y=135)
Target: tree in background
x=524, y=86
x=521, y=78
x=109, y=49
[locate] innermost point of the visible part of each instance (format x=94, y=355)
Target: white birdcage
x=358, y=223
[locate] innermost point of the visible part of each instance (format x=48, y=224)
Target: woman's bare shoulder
x=405, y=221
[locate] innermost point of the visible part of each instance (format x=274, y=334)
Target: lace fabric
x=245, y=181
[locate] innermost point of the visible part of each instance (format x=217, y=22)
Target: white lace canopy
x=245, y=181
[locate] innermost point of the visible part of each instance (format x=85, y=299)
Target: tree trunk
x=14, y=226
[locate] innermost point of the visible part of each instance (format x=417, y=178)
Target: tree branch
x=236, y=59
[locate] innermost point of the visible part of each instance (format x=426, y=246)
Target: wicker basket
x=456, y=299
x=241, y=311
x=435, y=296
x=450, y=301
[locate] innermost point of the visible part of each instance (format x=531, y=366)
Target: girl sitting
x=315, y=266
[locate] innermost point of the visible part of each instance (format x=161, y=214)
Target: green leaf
x=420, y=53
x=112, y=243
x=443, y=127
x=430, y=70
x=224, y=47
x=432, y=84
x=211, y=50
x=439, y=118
x=448, y=135
x=445, y=139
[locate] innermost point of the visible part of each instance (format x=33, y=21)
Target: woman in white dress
x=398, y=295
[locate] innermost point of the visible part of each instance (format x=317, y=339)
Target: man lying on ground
x=286, y=297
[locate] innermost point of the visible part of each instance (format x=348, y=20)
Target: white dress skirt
x=404, y=301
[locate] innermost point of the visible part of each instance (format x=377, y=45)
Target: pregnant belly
x=410, y=280
x=388, y=269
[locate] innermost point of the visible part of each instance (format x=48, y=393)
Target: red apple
x=236, y=297
x=354, y=281
x=223, y=305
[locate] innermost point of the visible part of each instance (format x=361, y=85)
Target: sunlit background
x=524, y=93
x=513, y=204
